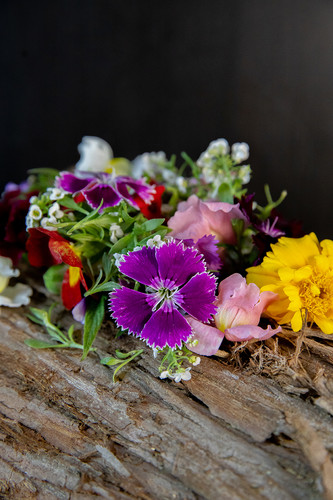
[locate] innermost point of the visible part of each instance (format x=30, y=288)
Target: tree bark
x=68, y=432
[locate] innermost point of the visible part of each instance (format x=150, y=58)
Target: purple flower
x=176, y=280
x=106, y=187
x=207, y=246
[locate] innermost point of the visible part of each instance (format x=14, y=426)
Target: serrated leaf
x=92, y=322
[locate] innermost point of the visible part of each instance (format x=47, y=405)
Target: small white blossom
x=54, y=211
x=148, y=163
x=155, y=242
x=169, y=176
x=46, y=221
x=244, y=174
x=181, y=183
x=240, y=152
x=35, y=212
x=166, y=374
x=183, y=375
x=29, y=222
x=115, y=233
x=12, y=296
x=33, y=199
x=217, y=148
x=71, y=216
x=195, y=360
x=118, y=258
x=192, y=343
x=56, y=193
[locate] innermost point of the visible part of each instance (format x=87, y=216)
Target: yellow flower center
x=316, y=293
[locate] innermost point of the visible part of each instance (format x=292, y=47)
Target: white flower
x=54, y=211
x=148, y=163
x=56, y=193
x=95, y=155
x=219, y=147
x=166, y=374
x=181, y=184
x=182, y=375
x=169, y=176
x=35, y=212
x=29, y=222
x=115, y=233
x=240, y=152
x=33, y=199
x=244, y=174
x=12, y=296
x=195, y=360
x=46, y=221
x=118, y=258
x=155, y=242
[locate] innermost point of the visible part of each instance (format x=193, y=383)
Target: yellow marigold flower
x=300, y=271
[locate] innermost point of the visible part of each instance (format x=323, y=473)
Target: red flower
x=14, y=206
x=47, y=248
x=153, y=210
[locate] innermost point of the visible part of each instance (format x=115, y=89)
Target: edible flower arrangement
x=177, y=254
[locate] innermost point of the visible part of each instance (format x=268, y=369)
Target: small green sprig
x=64, y=340
x=120, y=360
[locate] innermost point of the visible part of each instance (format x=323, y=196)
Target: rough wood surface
x=68, y=432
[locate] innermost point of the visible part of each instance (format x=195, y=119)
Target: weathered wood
x=68, y=432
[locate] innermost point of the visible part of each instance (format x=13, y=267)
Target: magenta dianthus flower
x=176, y=282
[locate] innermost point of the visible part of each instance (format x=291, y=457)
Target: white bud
x=240, y=152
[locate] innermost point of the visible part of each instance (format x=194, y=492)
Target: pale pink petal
x=195, y=218
x=209, y=338
x=248, y=332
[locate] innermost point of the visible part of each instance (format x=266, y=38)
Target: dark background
x=172, y=76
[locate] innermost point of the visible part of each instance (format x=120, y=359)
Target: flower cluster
x=162, y=249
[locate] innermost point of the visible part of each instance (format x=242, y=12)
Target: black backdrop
x=148, y=75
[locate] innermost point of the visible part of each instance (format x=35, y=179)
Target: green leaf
x=70, y=203
x=53, y=278
x=110, y=361
x=122, y=243
x=224, y=193
x=39, y=314
x=40, y=344
x=150, y=225
x=93, y=320
x=44, y=171
x=109, y=286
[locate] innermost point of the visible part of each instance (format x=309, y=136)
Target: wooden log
x=68, y=432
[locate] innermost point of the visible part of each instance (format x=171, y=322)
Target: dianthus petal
x=177, y=264
x=166, y=327
x=141, y=266
x=130, y=309
x=197, y=296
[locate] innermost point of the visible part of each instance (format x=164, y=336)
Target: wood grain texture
x=68, y=432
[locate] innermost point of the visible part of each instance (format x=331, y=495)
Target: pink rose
x=195, y=218
x=239, y=307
